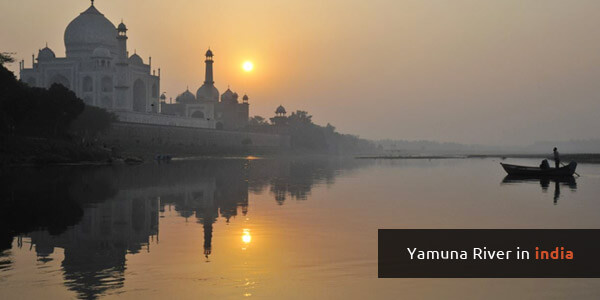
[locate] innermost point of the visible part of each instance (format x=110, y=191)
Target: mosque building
x=98, y=68
x=228, y=113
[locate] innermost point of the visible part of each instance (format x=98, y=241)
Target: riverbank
x=19, y=150
x=590, y=158
x=413, y=157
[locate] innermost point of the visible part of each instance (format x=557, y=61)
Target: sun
x=248, y=66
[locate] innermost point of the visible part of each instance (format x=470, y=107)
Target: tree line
x=51, y=113
x=306, y=136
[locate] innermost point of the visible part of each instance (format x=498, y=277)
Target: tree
x=39, y=112
x=257, y=121
x=300, y=116
x=6, y=57
x=310, y=137
x=92, y=121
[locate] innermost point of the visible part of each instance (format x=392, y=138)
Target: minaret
x=122, y=66
x=209, y=68
x=122, y=40
x=208, y=92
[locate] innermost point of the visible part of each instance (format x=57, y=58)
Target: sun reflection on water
x=246, y=237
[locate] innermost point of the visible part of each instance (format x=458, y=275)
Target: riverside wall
x=161, y=119
x=149, y=139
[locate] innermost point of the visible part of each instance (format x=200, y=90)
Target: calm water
x=267, y=228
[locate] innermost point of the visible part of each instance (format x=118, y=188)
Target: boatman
x=556, y=158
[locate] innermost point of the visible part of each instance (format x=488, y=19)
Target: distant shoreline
x=414, y=157
x=592, y=158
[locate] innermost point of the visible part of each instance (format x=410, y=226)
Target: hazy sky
x=467, y=71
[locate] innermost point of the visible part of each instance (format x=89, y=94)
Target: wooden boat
x=516, y=170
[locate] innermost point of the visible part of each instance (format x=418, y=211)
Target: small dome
x=209, y=53
x=163, y=97
x=227, y=96
x=122, y=27
x=136, y=60
x=186, y=97
x=280, y=110
x=46, y=54
x=245, y=98
x=89, y=31
x=207, y=92
x=101, y=52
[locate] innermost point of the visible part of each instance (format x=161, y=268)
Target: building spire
x=92, y=2
x=208, y=77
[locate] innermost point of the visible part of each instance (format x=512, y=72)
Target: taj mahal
x=97, y=67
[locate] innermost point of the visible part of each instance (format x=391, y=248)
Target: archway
x=60, y=79
x=139, y=96
x=198, y=114
x=107, y=84
x=88, y=85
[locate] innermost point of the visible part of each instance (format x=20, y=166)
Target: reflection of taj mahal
x=99, y=69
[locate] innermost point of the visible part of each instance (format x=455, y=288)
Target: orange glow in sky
x=469, y=71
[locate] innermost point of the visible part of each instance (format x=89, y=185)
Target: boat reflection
x=545, y=183
x=100, y=215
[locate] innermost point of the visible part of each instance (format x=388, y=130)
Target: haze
x=487, y=72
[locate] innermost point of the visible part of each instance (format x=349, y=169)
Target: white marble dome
x=136, y=60
x=46, y=54
x=186, y=97
x=207, y=92
x=227, y=96
x=89, y=31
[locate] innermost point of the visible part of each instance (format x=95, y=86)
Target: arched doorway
x=139, y=96
x=107, y=84
x=60, y=79
x=198, y=114
x=88, y=85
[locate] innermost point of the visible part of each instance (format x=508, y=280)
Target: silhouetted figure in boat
x=556, y=158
